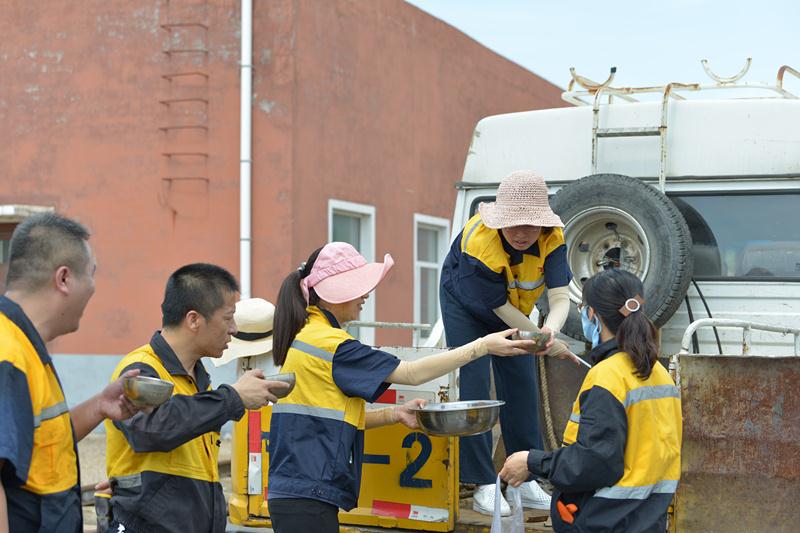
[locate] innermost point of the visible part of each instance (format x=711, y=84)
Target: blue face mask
x=591, y=328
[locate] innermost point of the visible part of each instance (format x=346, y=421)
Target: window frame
x=442, y=226
x=11, y=215
x=739, y=192
x=366, y=214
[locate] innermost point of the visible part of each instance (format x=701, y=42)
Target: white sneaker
x=533, y=497
x=483, y=501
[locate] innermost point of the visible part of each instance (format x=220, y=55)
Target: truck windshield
x=749, y=236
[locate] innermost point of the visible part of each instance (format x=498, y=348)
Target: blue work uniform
x=316, y=443
x=482, y=272
x=37, y=443
x=162, y=464
x=621, y=459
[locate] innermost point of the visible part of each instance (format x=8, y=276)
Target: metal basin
x=143, y=391
x=287, y=377
x=458, y=419
x=539, y=338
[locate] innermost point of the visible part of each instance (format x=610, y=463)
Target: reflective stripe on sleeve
x=575, y=418
x=313, y=351
x=50, y=412
x=467, y=236
x=127, y=482
x=526, y=285
x=655, y=392
x=618, y=492
x=321, y=412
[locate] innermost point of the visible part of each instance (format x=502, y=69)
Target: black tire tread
x=681, y=248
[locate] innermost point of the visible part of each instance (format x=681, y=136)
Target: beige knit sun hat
x=521, y=201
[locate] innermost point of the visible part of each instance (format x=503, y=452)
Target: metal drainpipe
x=245, y=143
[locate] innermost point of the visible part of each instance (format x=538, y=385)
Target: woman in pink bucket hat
x=497, y=268
x=317, y=432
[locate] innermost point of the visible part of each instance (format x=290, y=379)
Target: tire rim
x=604, y=237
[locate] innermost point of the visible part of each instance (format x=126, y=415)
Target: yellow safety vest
x=653, y=409
x=196, y=459
x=54, y=466
x=525, y=281
x=310, y=357
x=317, y=432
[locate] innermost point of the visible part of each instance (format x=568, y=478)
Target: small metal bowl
x=287, y=377
x=540, y=339
x=458, y=419
x=143, y=391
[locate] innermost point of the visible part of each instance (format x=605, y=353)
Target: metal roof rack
x=594, y=92
x=592, y=89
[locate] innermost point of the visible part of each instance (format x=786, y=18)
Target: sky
x=650, y=42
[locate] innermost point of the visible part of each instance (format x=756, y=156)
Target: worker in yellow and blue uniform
x=49, y=283
x=316, y=443
x=162, y=463
x=620, y=464
x=496, y=270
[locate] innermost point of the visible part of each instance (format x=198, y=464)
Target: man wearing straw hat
x=496, y=270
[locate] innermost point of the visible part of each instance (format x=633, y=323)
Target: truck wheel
x=614, y=221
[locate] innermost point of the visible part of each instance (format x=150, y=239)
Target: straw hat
x=521, y=201
x=253, y=319
x=341, y=274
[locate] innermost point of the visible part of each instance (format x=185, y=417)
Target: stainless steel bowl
x=143, y=391
x=458, y=419
x=286, y=377
x=540, y=339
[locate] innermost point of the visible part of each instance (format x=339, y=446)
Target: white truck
x=696, y=189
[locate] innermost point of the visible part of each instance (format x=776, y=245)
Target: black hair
x=606, y=292
x=290, y=312
x=197, y=287
x=40, y=245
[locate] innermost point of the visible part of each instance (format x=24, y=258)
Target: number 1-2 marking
x=407, y=478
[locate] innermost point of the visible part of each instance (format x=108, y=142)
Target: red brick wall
x=370, y=102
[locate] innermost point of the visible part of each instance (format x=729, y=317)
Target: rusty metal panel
x=740, y=465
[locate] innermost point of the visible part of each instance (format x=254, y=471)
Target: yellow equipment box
x=409, y=480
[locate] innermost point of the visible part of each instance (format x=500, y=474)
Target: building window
x=431, y=241
x=355, y=224
x=10, y=216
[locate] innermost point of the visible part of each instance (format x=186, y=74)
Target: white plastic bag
x=514, y=523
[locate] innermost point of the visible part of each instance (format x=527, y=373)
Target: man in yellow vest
x=162, y=464
x=49, y=282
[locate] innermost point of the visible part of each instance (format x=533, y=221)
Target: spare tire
x=615, y=221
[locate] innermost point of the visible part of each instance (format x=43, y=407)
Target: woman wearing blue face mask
x=620, y=463
x=591, y=326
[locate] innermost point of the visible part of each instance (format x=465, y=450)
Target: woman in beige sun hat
x=497, y=268
x=254, y=318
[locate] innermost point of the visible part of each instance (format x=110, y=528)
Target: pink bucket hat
x=341, y=274
x=521, y=201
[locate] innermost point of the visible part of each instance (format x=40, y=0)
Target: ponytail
x=290, y=311
x=608, y=293
x=637, y=338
